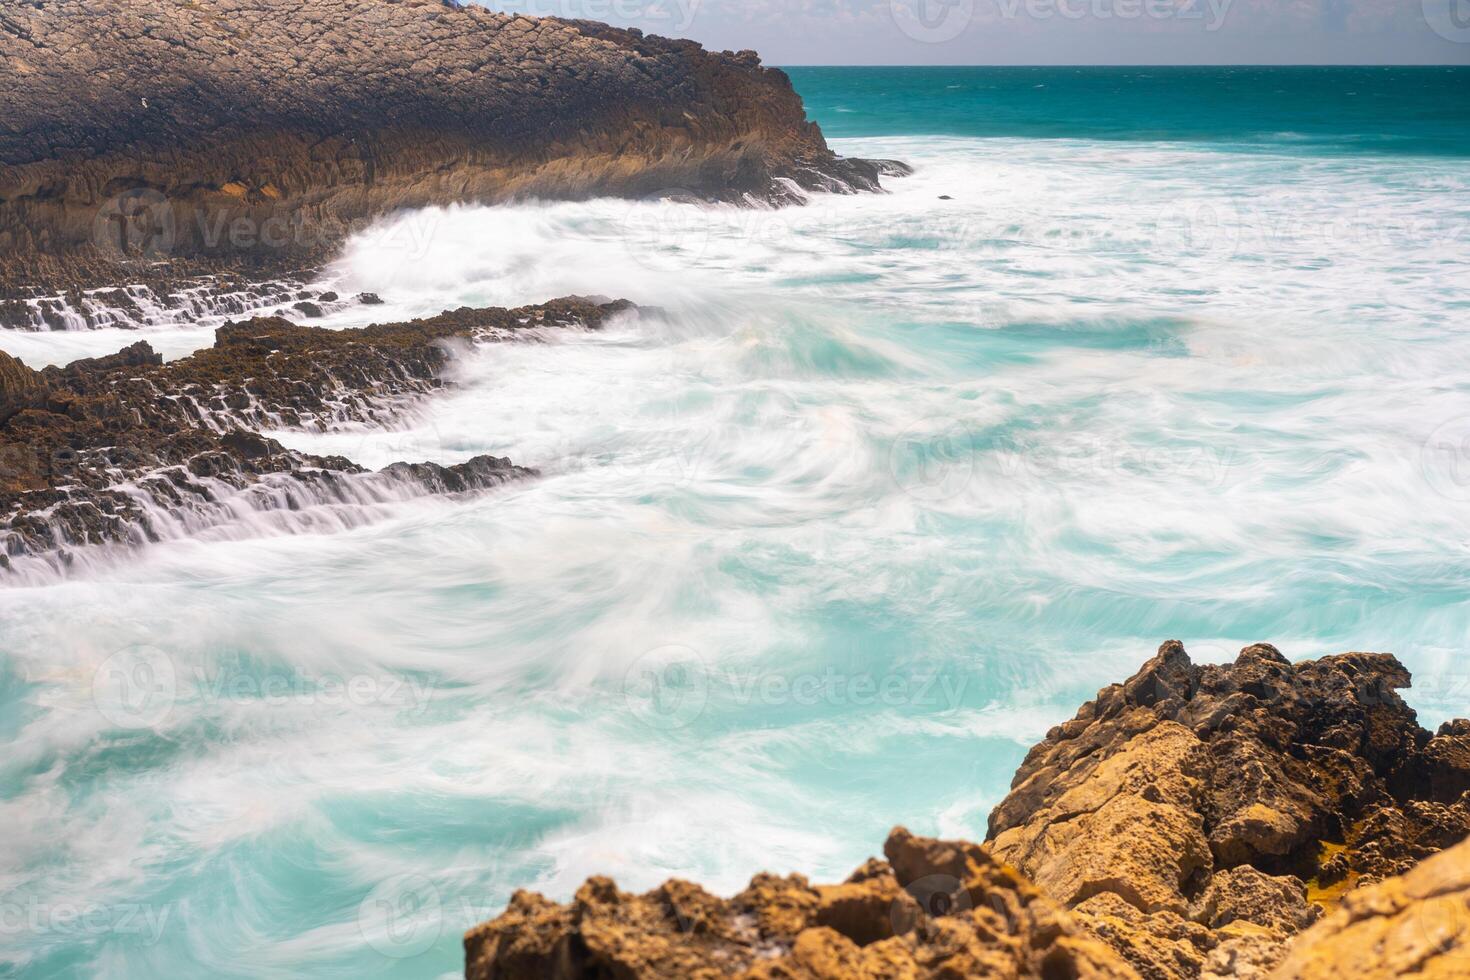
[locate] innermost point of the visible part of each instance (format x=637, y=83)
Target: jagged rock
x=1195, y=798
x=1197, y=819
x=124, y=449
x=933, y=909
x=1416, y=924
x=1246, y=895
x=257, y=133
x=19, y=386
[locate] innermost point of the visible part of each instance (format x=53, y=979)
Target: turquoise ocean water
x=885, y=487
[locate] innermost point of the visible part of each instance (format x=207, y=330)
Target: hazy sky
x=795, y=32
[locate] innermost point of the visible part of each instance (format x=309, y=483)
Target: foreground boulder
x=933, y=909
x=1198, y=816
x=262, y=131
x=1417, y=924
x=1192, y=822
x=127, y=449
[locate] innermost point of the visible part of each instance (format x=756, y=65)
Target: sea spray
x=889, y=486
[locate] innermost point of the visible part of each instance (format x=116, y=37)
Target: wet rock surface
x=178, y=138
x=126, y=449
x=1193, y=821
x=159, y=300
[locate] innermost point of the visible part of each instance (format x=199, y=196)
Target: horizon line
x=1099, y=64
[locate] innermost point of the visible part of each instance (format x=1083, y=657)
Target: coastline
x=116, y=452
x=1259, y=818
x=254, y=138
x=133, y=209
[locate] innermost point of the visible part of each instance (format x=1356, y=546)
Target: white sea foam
x=988, y=451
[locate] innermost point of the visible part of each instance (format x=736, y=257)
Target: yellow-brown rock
x=1191, y=823
x=933, y=909
x=1414, y=925
x=1197, y=817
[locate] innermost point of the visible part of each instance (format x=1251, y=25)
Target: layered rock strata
x=1190, y=822
x=127, y=449
x=258, y=133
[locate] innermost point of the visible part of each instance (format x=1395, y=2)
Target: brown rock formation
x=934, y=909
x=258, y=132
x=1194, y=819
x=1415, y=925
x=126, y=449
x=1210, y=806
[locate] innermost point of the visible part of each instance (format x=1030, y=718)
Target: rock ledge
x=256, y=134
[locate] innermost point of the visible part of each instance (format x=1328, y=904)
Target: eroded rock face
x=1196, y=816
x=1417, y=924
x=261, y=131
x=126, y=449
x=933, y=909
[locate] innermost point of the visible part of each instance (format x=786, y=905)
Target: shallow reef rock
x=260, y=132
x=1194, y=821
x=127, y=449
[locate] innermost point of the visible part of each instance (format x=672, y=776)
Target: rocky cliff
x=1194, y=821
x=257, y=133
